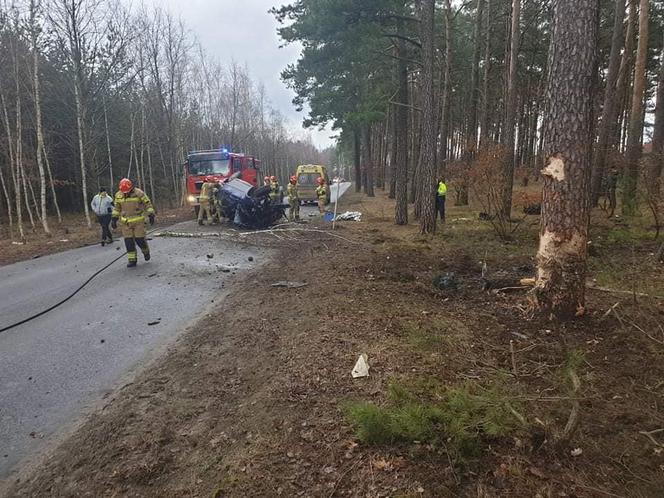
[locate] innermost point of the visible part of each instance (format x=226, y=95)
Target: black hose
x=63, y=301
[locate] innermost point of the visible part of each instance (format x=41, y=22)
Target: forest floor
x=468, y=394
x=73, y=232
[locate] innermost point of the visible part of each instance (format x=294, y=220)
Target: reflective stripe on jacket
x=274, y=190
x=132, y=207
x=102, y=204
x=206, y=190
x=442, y=189
x=292, y=192
x=321, y=191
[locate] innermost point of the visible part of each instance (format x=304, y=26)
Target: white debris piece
x=576, y=452
x=361, y=368
x=349, y=216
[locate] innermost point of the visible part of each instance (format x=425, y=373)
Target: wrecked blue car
x=248, y=206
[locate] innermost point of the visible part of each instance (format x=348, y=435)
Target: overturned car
x=248, y=206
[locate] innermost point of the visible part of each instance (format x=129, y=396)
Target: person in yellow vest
x=205, y=198
x=441, y=193
x=321, y=194
x=274, y=189
x=131, y=205
x=293, y=200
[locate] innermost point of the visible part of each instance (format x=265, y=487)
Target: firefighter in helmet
x=321, y=194
x=216, y=203
x=274, y=189
x=293, y=200
x=206, y=199
x=131, y=205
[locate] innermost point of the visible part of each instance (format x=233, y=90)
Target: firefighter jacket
x=274, y=191
x=321, y=191
x=293, y=194
x=207, y=191
x=442, y=189
x=102, y=204
x=132, y=208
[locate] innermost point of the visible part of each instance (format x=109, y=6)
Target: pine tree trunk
x=471, y=145
x=401, y=133
x=393, y=144
x=657, y=156
x=357, y=161
x=623, y=83
x=428, y=155
x=447, y=90
x=510, y=111
x=610, y=107
x=635, y=131
x=561, y=281
x=484, y=113
x=368, y=161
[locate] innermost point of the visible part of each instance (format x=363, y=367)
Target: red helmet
x=273, y=178
x=209, y=179
x=126, y=185
x=266, y=179
x=293, y=179
x=320, y=180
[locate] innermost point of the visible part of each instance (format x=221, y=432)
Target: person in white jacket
x=102, y=205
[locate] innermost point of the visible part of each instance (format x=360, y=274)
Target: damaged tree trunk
x=560, y=289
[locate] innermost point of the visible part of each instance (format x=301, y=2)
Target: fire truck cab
x=220, y=164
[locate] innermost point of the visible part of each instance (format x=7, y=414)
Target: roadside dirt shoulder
x=72, y=233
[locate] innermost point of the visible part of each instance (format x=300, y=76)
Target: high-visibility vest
x=321, y=191
x=442, y=189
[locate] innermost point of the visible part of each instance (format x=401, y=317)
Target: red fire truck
x=219, y=164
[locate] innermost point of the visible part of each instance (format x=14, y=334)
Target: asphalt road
x=55, y=368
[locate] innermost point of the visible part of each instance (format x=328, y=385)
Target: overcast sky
x=242, y=30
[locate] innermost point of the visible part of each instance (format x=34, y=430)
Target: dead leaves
x=385, y=465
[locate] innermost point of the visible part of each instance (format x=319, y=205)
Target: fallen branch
x=573, y=419
x=649, y=434
x=190, y=235
x=514, y=370
x=510, y=289
x=616, y=291
x=300, y=230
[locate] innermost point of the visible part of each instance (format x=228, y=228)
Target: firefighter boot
x=130, y=244
x=145, y=249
